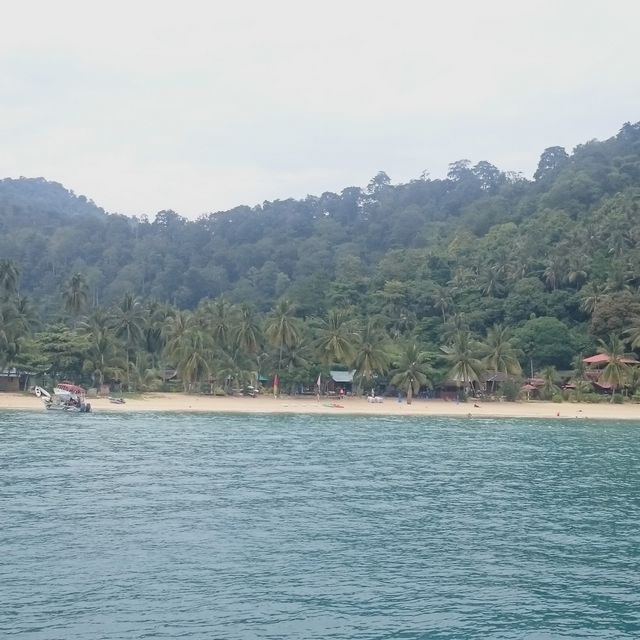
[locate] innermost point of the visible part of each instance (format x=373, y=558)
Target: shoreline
x=180, y=402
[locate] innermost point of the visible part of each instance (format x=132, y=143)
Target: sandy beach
x=162, y=402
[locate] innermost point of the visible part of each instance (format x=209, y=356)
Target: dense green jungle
x=411, y=284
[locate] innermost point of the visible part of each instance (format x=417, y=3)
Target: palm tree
x=462, y=354
x=9, y=276
x=247, y=333
x=549, y=387
x=579, y=368
x=106, y=357
x=282, y=328
x=9, y=334
x=592, y=295
x=221, y=320
x=193, y=357
x=412, y=371
x=157, y=315
x=554, y=272
x=336, y=339
x=293, y=360
x=501, y=355
x=371, y=356
x=128, y=321
x=26, y=318
x=173, y=331
x=443, y=302
x=142, y=376
x=491, y=282
x=577, y=271
x=75, y=296
x=457, y=323
x=616, y=370
x=235, y=366
x=633, y=333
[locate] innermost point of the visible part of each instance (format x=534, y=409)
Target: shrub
x=592, y=398
x=510, y=390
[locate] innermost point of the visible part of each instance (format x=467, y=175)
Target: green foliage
x=552, y=264
x=412, y=371
x=546, y=341
x=510, y=389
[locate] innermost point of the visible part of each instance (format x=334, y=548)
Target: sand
x=162, y=402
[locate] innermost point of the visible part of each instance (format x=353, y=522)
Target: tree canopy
x=536, y=270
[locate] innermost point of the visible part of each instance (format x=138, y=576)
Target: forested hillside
x=556, y=260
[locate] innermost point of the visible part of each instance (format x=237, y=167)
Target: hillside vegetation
x=549, y=268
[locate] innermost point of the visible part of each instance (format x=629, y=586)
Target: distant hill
x=482, y=242
x=36, y=198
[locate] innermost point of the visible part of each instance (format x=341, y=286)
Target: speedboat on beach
x=66, y=397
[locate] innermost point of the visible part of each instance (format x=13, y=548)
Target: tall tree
x=128, y=321
x=549, y=387
x=75, y=296
x=336, y=338
x=500, y=354
x=371, y=356
x=463, y=355
x=9, y=276
x=616, y=371
x=282, y=328
x=412, y=371
x=247, y=335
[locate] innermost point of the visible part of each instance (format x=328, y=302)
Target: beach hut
x=341, y=380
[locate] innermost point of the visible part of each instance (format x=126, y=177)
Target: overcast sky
x=202, y=106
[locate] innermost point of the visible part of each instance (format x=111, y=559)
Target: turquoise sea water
x=219, y=526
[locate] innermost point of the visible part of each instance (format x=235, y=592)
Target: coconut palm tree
x=282, y=328
x=549, y=387
x=157, y=315
x=75, y=296
x=412, y=371
x=336, y=339
x=9, y=276
x=106, y=356
x=193, y=357
x=25, y=315
x=633, y=333
x=173, y=330
x=500, y=353
x=221, y=319
x=443, y=302
x=463, y=356
x=235, y=367
x=247, y=335
x=371, y=357
x=455, y=324
x=616, y=370
x=579, y=369
x=142, y=375
x=592, y=295
x=9, y=334
x=294, y=359
x=491, y=282
x=128, y=321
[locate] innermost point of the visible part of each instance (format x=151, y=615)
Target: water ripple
x=210, y=526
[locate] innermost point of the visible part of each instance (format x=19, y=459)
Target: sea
x=211, y=526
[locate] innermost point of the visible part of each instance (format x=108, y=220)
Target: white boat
x=66, y=397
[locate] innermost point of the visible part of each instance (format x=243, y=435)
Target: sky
x=200, y=106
